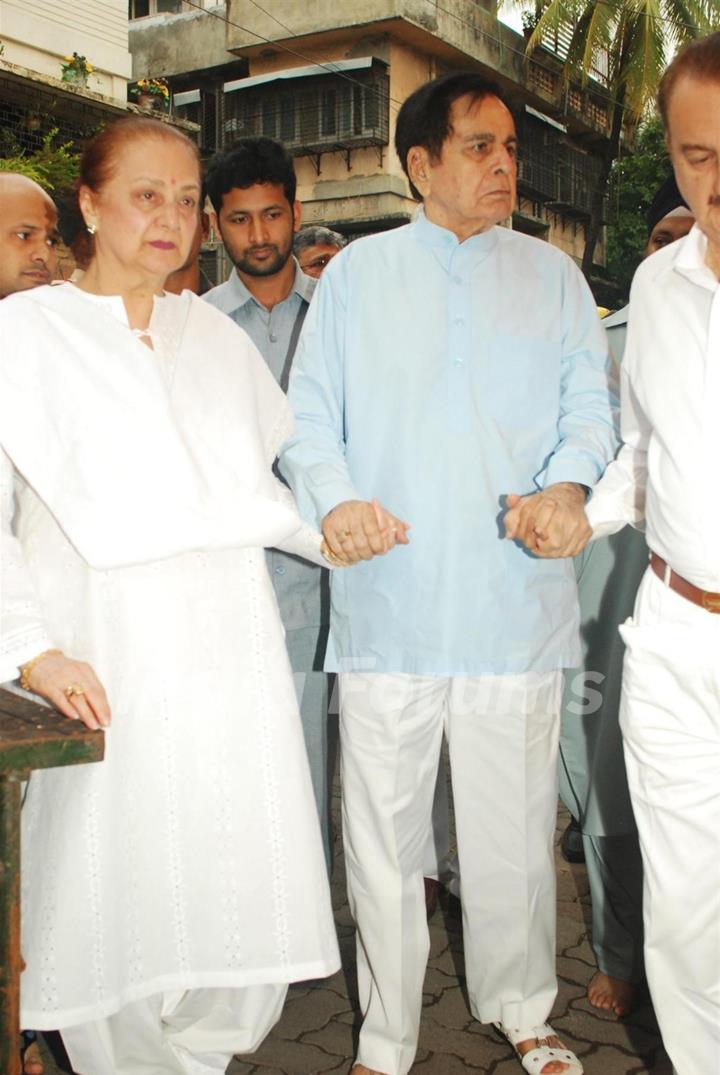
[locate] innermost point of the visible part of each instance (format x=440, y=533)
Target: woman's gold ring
x=73, y=689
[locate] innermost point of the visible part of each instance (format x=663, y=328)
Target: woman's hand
x=72, y=687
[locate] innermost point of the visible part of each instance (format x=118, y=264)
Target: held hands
x=72, y=687
x=358, y=530
x=550, y=524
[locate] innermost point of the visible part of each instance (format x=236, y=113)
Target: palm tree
x=637, y=38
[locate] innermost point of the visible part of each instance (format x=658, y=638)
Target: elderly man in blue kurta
x=450, y=370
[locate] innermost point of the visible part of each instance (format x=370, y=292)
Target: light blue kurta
x=439, y=376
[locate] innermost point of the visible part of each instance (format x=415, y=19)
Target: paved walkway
x=319, y=1025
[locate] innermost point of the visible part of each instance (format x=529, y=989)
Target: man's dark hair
x=424, y=119
x=667, y=197
x=247, y=162
x=699, y=59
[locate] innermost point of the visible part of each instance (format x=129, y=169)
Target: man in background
x=28, y=234
x=315, y=247
x=252, y=189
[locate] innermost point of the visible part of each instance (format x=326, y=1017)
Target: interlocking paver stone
x=318, y=1030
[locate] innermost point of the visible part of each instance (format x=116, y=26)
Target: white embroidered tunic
x=137, y=497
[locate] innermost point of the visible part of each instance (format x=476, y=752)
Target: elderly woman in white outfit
x=172, y=891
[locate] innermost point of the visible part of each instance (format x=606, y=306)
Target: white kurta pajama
x=190, y=858
x=460, y=628
x=667, y=474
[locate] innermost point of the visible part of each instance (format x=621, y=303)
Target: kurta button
x=457, y=279
x=280, y=569
x=273, y=338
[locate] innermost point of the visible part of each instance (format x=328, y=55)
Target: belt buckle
x=711, y=602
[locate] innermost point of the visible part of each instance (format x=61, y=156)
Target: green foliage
x=54, y=167
x=634, y=180
x=22, y=166
x=59, y=164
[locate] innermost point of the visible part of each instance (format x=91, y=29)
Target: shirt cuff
x=579, y=471
x=328, y=496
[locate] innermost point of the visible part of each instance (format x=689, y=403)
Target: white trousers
x=440, y=862
x=502, y=733
x=670, y=719
x=192, y=1033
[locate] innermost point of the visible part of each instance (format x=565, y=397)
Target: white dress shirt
x=666, y=473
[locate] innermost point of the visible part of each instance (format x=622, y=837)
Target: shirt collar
x=443, y=239
x=690, y=259
x=235, y=294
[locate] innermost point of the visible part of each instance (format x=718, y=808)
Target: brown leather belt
x=705, y=598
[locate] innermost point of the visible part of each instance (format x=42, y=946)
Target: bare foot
x=553, y=1067
x=32, y=1061
x=611, y=994
x=360, y=1069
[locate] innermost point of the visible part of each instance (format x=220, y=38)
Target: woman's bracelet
x=26, y=669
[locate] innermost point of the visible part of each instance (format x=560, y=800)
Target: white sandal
x=535, y=1059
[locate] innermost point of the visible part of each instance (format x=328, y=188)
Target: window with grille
x=542, y=79
x=139, y=9
x=203, y=107
x=312, y=114
x=554, y=170
x=538, y=146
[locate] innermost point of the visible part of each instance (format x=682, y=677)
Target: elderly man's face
x=28, y=239
x=313, y=259
x=694, y=141
x=473, y=184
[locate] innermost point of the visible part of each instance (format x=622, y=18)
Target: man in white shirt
x=666, y=474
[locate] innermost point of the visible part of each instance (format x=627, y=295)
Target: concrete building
x=39, y=34
x=36, y=38
x=328, y=78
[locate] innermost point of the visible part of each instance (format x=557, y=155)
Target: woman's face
x=146, y=214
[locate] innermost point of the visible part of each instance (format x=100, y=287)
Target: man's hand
x=551, y=523
x=358, y=530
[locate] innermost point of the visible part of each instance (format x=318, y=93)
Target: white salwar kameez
x=137, y=498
